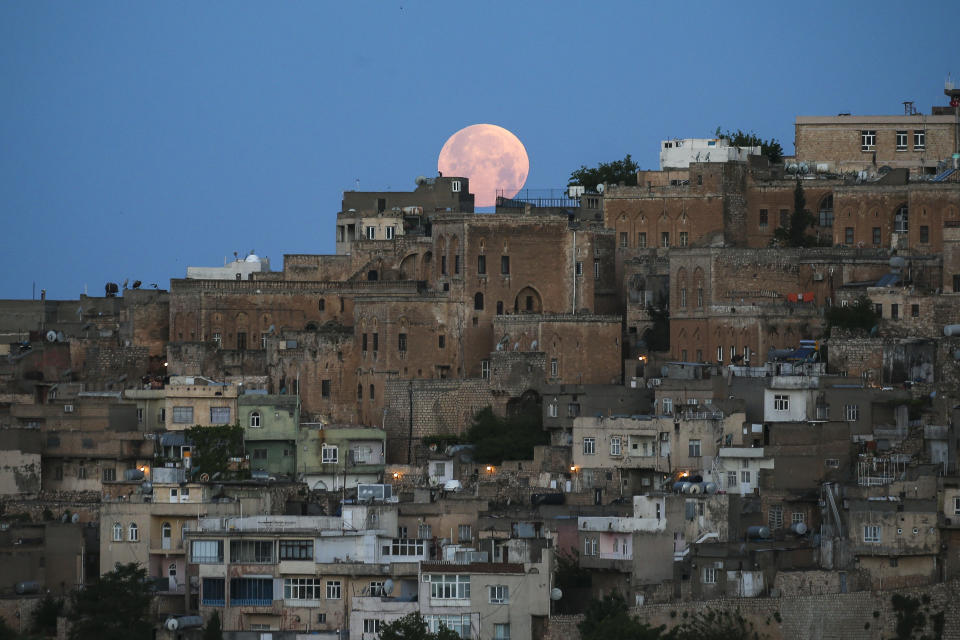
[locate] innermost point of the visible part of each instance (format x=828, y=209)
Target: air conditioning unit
x=68, y=408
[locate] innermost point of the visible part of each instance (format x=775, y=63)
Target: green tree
x=715, y=624
x=212, y=630
x=795, y=233
x=214, y=446
x=414, y=627
x=115, y=606
x=610, y=618
x=615, y=172
x=496, y=439
x=859, y=315
x=739, y=138
x=45, y=615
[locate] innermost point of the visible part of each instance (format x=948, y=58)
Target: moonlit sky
x=137, y=138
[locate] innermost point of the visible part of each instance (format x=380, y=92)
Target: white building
x=239, y=269
x=680, y=154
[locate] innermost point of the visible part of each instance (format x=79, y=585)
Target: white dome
x=252, y=258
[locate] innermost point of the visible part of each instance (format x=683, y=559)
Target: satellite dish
x=600, y=188
x=533, y=345
x=388, y=587
x=421, y=180
x=64, y=518
x=75, y=518
x=555, y=594
x=61, y=336
x=51, y=336
x=204, y=477
x=171, y=624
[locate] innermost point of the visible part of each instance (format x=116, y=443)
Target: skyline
x=140, y=140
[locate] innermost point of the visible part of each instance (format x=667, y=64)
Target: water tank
x=798, y=528
x=133, y=474
x=683, y=488
x=710, y=487
x=183, y=622
x=29, y=586
x=897, y=263
x=146, y=487
x=758, y=533
x=951, y=330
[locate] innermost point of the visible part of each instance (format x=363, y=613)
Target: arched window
x=255, y=419
x=901, y=219
x=826, y=211
x=499, y=307
x=133, y=533
x=165, y=530
x=117, y=532
x=478, y=302
x=360, y=391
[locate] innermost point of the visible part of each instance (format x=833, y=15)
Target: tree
x=212, y=631
x=45, y=615
x=609, y=618
x=739, y=138
x=716, y=625
x=857, y=315
x=795, y=234
x=496, y=439
x=214, y=446
x=414, y=627
x=115, y=606
x=615, y=172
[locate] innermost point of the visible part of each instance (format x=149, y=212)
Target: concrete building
x=333, y=457
x=680, y=154
x=270, y=424
x=194, y=401
x=240, y=269
x=850, y=143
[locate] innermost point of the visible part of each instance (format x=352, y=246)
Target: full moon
x=491, y=157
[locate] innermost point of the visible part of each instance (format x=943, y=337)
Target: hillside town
x=732, y=383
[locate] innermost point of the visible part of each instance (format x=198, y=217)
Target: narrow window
x=402, y=342
x=478, y=302
x=505, y=265
x=481, y=265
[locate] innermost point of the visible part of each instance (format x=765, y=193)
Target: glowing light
x=491, y=157
x=489, y=469
x=396, y=474
x=684, y=474
x=573, y=468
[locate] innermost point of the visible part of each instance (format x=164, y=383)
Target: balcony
x=623, y=565
x=251, y=602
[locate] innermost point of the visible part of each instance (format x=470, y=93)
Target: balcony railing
x=251, y=602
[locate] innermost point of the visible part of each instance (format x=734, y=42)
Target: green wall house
x=332, y=456
x=270, y=425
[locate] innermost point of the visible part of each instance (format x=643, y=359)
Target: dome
x=252, y=258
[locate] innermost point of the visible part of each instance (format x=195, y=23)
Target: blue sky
x=139, y=138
